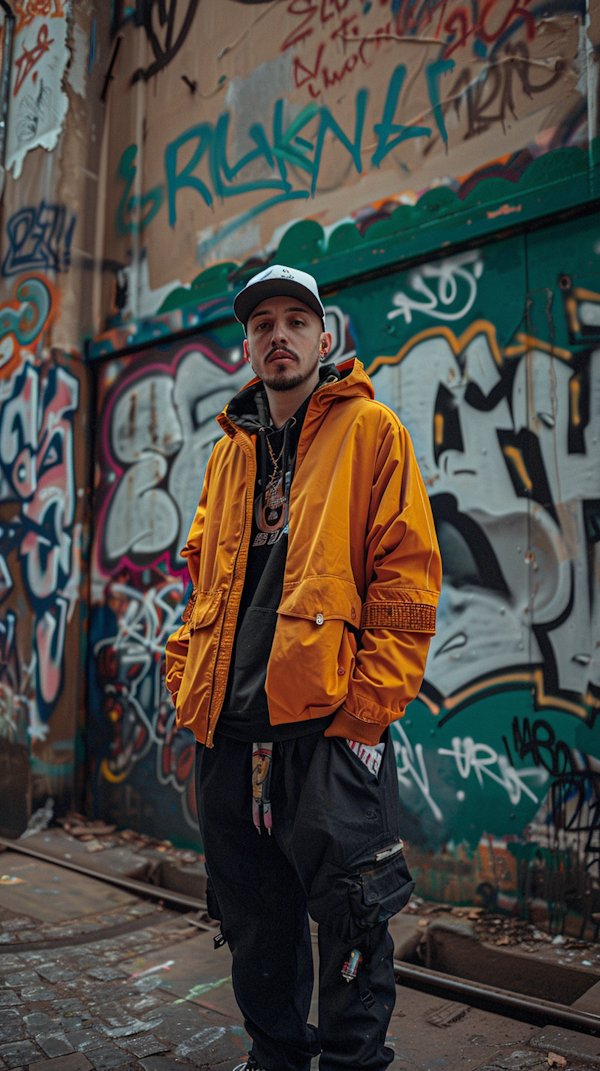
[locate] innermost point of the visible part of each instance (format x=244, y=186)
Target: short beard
x=285, y=384
x=282, y=384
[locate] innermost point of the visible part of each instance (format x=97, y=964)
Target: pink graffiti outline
x=142, y=372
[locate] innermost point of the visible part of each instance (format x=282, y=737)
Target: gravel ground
x=507, y=931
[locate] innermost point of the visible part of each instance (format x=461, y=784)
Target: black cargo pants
x=331, y=817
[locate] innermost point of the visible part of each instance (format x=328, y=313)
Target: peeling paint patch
x=504, y=210
x=77, y=71
x=38, y=104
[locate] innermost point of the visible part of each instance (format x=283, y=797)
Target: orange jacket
x=362, y=574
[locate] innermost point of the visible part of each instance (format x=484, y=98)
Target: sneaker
x=248, y=1065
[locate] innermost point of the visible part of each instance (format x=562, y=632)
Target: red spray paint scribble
x=330, y=43
x=31, y=56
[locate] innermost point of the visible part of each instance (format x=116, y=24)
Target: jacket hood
x=249, y=408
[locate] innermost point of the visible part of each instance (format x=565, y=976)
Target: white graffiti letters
x=410, y=763
x=480, y=758
x=37, y=465
x=468, y=758
x=452, y=277
x=512, y=480
x=161, y=432
x=136, y=702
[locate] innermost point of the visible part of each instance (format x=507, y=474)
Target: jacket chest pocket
x=314, y=647
x=322, y=599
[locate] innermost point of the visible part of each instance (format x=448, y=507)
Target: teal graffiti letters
x=220, y=168
x=288, y=148
x=387, y=127
x=148, y=204
x=299, y=145
x=328, y=123
x=283, y=148
x=203, y=132
x=433, y=72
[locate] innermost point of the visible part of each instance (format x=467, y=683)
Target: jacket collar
x=246, y=411
x=353, y=383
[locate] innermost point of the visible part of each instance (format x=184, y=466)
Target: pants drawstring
x=262, y=756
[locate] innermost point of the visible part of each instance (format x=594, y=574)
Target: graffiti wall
x=157, y=429
x=236, y=119
x=491, y=357
x=155, y=436
x=496, y=375
x=50, y=267
x=43, y=481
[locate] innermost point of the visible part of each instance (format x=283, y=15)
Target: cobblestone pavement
x=140, y=987
x=85, y=1002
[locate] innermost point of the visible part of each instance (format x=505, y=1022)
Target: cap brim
x=248, y=299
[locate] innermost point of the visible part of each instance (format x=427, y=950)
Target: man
x=316, y=575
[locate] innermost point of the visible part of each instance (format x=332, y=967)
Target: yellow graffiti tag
x=457, y=345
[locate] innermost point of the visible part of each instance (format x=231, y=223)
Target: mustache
x=282, y=349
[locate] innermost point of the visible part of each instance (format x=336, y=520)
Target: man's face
x=284, y=342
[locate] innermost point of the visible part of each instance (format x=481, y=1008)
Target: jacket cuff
x=346, y=725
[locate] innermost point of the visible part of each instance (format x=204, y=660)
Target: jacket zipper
x=243, y=545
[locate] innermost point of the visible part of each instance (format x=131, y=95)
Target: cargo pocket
x=379, y=893
x=355, y=899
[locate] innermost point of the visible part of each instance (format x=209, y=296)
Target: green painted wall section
x=490, y=357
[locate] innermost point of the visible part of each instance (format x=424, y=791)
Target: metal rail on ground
x=502, y=1000
x=154, y=892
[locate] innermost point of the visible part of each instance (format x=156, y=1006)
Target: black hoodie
x=245, y=712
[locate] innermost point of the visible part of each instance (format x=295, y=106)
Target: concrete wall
x=228, y=121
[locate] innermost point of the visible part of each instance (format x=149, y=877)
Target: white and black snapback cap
x=278, y=281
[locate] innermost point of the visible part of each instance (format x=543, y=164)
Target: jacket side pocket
x=195, y=687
